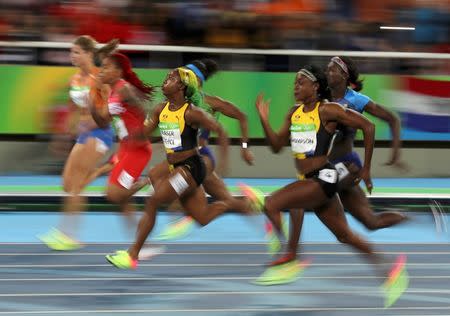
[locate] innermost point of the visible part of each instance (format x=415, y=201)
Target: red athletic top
x=128, y=120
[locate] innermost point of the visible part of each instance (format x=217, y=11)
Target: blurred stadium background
x=259, y=45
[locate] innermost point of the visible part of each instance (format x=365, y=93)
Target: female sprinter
x=178, y=121
x=126, y=110
x=344, y=82
x=310, y=128
x=92, y=143
x=213, y=184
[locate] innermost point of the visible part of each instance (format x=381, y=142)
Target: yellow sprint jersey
x=309, y=138
x=176, y=134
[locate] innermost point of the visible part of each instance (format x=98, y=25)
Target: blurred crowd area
x=264, y=24
x=286, y=24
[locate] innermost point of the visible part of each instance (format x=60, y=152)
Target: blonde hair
x=89, y=44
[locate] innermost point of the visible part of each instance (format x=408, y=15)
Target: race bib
x=328, y=175
x=120, y=128
x=171, y=135
x=342, y=170
x=303, y=138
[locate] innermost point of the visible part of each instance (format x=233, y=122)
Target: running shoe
x=57, y=240
x=396, y=283
x=256, y=196
x=282, y=274
x=274, y=243
x=122, y=260
x=177, y=229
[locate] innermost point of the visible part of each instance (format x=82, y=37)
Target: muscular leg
x=164, y=194
x=333, y=216
x=356, y=203
x=215, y=187
x=159, y=172
x=192, y=198
x=300, y=194
x=196, y=205
x=82, y=160
x=297, y=216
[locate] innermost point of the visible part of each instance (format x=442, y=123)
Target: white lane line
x=228, y=310
x=425, y=265
x=362, y=277
x=333, y=253
x=140, y=265
x=355, y=291
x=261, y=243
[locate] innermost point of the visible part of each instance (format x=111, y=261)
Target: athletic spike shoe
x=282, y=274
x=274, y=243
x=57, y=240
x=122, y=260
x=177, y=229
x=255, y=195
x=397, y=282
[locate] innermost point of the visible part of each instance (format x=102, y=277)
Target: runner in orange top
x=92, y=143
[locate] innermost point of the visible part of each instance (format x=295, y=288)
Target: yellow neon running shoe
x=397, y=282
x=122, y=260
x=57, y=240
x=282, y=274
x=177, y=229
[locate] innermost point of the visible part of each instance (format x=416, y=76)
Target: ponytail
x=129, y=75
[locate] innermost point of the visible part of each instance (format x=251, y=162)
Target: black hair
x=207, y=66
x=353, y=74
x=323, y=91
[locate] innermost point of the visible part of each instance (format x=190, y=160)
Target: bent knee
x=371, y=222
x=345, y=238
x=270, y=205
